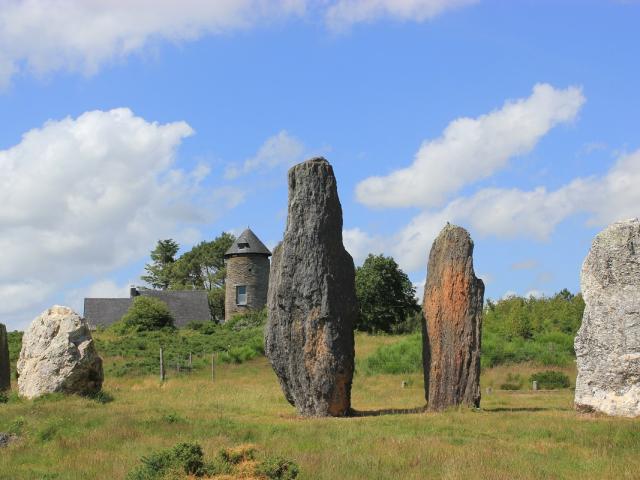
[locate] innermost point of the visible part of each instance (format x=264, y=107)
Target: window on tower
x=241, y=294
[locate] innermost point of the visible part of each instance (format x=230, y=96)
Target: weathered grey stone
x=5, y=368
x=608, y=342
x=7, y=438
x=58, y=355
x=312, y=300
x=453, y=299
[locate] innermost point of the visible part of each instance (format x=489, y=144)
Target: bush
x=411, y=324
x=101, y=397
x=514, y=382
x=187, y=459
x=278, y=468
x=239, y=354
x=128, y=358
x=553, y=348
x=550, y=380
x=251, y=319
x=404, y=356
x=195, y=325
x=184, y=458
x=541, y=330
x=234, y=456
x=145, y=314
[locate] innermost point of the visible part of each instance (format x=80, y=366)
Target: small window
x=242, y=246
x=241, y=295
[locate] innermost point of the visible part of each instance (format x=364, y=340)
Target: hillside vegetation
x=137, y=353
x=514, y=330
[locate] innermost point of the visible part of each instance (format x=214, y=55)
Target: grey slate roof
x=247, y=243
x=102, y=312
x=184, y=305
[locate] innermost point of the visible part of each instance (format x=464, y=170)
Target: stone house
x=247, y=280
x=185, y=306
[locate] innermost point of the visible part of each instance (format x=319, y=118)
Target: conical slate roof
x=246, y=243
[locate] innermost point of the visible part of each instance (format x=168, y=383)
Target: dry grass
x=516, y=435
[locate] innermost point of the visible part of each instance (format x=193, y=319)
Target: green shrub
x=239, y=354
x=404, y=356
x=278, y=468
x=546, y=349
x=234, y=456
x=172, y=418
x=130, y=359
x=184, y=458
x=541, y=330
x=145, y=314
x=251, y=319
x=411, y=324
x=47, y=433
x=188, y=459
x=16, y=426
x=514, y=382
x=101, y=397
x=550, y=380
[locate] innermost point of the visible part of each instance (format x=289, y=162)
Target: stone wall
x=249, y=270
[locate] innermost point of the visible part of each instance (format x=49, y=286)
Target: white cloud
x=83, y=35
x=511, y=213
x=42, y=36
x=419, y=286
x=360, y=244
x=228, y=196
x=487, y=278
x=472, y=149
x=104, y=288
x=524, y=265
x=22, y=294
x=280, y=150
x=344, y=13
x=83, y=196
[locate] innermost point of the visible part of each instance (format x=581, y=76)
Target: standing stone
x=608, y=343
x=58, y=355
x=453, y=300
x=312, y=300
x=5, y=369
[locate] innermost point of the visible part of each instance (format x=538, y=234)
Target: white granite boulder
x=58, y=355
x=608, y=342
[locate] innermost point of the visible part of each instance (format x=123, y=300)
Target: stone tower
x=247, y=279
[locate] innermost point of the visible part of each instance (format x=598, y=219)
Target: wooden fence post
x=161, y=365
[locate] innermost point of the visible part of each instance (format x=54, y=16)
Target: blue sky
x=127, y=122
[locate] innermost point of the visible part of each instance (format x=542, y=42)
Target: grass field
x=515, y=435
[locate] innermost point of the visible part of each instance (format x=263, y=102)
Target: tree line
x=387, y=301
x=201, y=268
